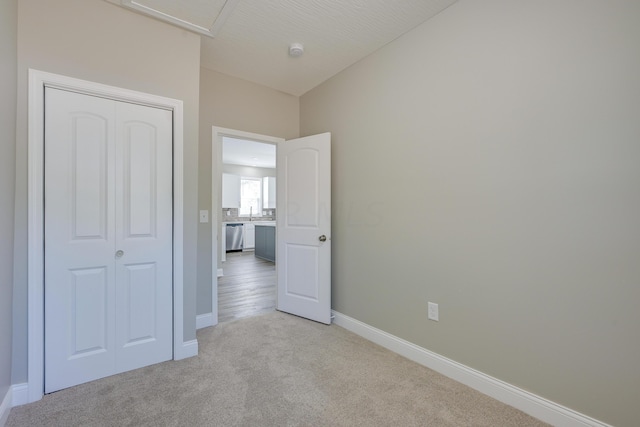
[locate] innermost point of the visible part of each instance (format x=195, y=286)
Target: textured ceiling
x=252, y=37
x=253, y=43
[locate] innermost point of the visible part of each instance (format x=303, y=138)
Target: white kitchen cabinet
x=249, y=237
x=269, y=192
x=230, y=191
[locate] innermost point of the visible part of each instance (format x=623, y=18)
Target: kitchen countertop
x=267, y=223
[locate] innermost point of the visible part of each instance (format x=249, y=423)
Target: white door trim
x=216, y=198
x=37, y=82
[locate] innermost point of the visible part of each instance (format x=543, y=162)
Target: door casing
x=38, y=80
x=216, y=199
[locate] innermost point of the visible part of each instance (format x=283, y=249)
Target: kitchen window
x=250, y=197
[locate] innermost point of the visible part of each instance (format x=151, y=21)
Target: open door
x=303, y=238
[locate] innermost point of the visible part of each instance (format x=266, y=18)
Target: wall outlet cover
x=432, y=311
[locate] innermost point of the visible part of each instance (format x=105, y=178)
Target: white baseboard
x=20, y=394
x=188, y=349
x=5, y=406
x=220, y=272
x=527, y=402
x=204, y=320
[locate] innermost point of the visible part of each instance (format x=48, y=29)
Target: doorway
x=303, y=232
x=244, y=171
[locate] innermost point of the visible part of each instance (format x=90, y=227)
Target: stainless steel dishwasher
x=234, y=237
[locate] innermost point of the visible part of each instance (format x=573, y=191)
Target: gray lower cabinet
x=266, y=242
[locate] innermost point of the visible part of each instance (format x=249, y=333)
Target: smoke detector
x=296, y=49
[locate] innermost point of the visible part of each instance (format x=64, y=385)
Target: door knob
x=119, y=254
x=322, y=238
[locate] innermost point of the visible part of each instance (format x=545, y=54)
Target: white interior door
x=303, y=241
x=108, y=237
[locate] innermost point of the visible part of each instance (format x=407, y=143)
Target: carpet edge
x=529, y=403
x=5, y=406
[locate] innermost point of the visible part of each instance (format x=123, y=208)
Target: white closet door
x=144, y=235
x=108, y=245
x=79, y=239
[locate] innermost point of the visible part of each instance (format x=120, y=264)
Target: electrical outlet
x=204, y=216
x=432, y=312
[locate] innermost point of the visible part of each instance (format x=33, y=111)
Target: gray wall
x=489, y=161
x=232, y=103
x=98, y=41
x=8, y=65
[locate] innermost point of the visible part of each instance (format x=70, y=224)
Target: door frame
x=38, y=80
x=217, y=133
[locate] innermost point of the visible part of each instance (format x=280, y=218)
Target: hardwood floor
x=247, y=288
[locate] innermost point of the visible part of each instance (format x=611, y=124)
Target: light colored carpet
x=274, y=370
